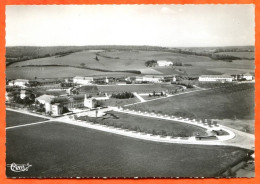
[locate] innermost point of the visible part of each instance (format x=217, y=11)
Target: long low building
x=83, y=80
x=215, y=78
x=149, y=78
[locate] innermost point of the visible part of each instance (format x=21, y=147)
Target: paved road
x=139, y=97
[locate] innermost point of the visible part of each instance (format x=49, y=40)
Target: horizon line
x=129, y=45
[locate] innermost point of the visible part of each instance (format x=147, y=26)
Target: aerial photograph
x=130, y=91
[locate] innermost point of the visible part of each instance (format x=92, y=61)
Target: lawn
x=62, y=150
x=222, y=103
x=173, y=128
x=16, y=118
x=142, y=88
x=120, y=102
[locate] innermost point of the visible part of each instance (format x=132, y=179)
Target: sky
x=156, y=25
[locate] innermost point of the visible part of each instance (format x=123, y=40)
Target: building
x=19, y=82
x=164, y=63
x=46, y=100
x=83, y=80
x=215, y=78
x=106, y=80
x=138, y=79
x=24, y=93
x=153, y=79
x=89, y=102
x=7, y=98
x=56, y=109
x=149, y=78
x=174, y=79
x=247, y=76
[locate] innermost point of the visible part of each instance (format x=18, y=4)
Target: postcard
x=130, y=91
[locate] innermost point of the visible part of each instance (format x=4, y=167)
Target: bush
x=124, y=95
x=151, y=63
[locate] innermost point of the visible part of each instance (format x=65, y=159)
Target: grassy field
x=249, y=55
x=143, y=88
x=61, y=150
x=118, y=60
x=55, y=72
x=172, y=128
x=223, y=103
x=16, y=118
x=120, y=102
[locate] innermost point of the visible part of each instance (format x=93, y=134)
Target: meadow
x=222, y=103
x=61, y=150
x=118, y=61
x=55, y=72
x=249, y=55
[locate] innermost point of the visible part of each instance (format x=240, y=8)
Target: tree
x=27, y=101
x=82, y=64
x=161, y=93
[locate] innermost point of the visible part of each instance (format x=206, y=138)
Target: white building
x=24, y=93
x=247, y=76
x=46, y=100
x=56, y=109
x=149, y=78
x=19, y=82
x=138, y=79
x=164, y=63
x=89, y=102
x=215, y=78
x=174, y=79
x=83, y=80
x=154, y=79
x=106, y=80
x=7, y=99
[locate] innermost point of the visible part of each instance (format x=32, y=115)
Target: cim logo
x=19, y=167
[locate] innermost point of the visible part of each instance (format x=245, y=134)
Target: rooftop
x=216, y=76
x=46, y=98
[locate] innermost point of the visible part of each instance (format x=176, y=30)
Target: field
x=16, y=118
x=223, y=103
x=120, y=102
x=62, y=150
x=119, y=61
x=249, y=55
x=55, y=72
x=173, y=128
x=142, y=88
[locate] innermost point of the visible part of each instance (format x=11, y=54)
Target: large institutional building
x=215, y=78
x=83, y=80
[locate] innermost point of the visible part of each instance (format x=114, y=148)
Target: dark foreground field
x=61, y=150
x=16, y=118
